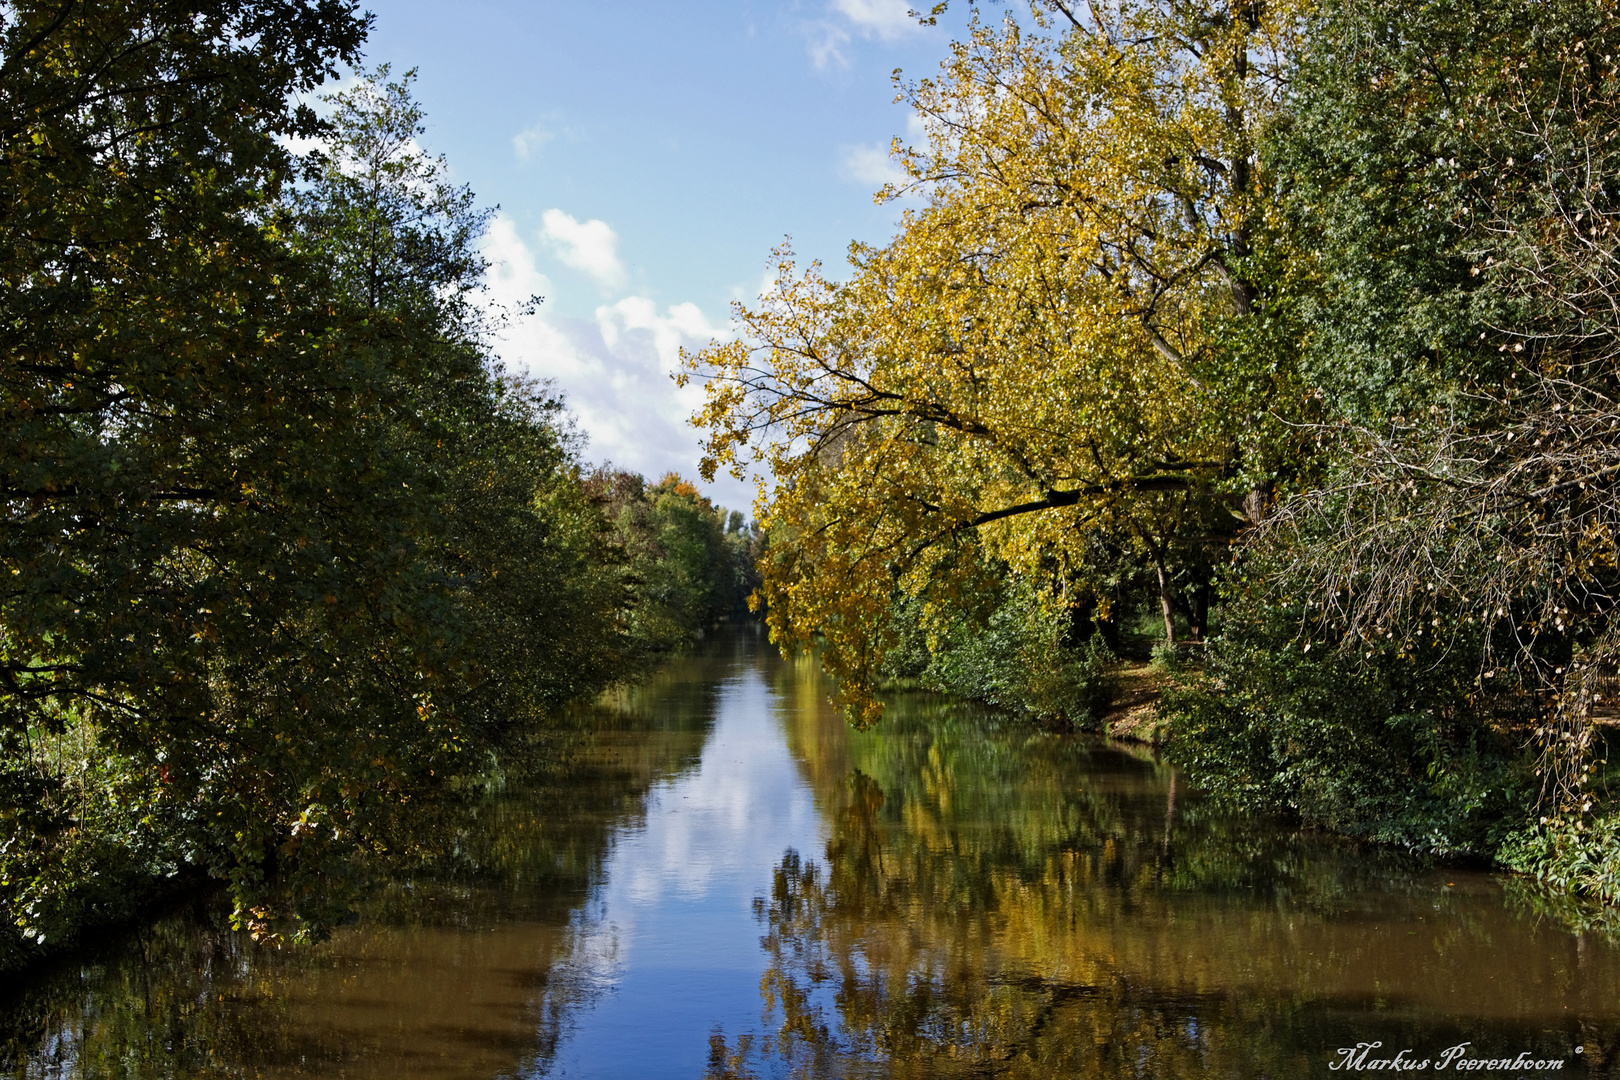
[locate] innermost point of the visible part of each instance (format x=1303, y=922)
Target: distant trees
x=691, y=564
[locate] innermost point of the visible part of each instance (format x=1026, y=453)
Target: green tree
x=173, y=403
x=286, y=554
x=1452, y=572
x=384, y=216
x=501, y=514
x=1482, y=504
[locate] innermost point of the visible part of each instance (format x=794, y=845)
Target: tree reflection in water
x=994, y=901
x=470, y=966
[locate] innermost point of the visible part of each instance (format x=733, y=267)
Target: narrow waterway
x=727, y=882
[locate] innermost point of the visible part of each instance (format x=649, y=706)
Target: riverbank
x=1133, y=712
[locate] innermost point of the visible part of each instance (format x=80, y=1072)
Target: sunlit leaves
x=1041, y=354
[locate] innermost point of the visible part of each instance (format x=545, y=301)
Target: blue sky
x=646, y=157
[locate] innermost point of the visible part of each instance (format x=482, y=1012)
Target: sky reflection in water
x=674, y=910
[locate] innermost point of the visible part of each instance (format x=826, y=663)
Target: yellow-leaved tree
x=1068, y=343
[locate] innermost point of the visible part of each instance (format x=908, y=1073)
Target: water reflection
x=482, y=969
x=727, y=882
x=999, y=902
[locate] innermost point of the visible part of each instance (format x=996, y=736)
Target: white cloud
x=683, y=324
x=826, y=44
x=591, y=246
x=513, y=275
x=614, y=369
x=828, y=38
x=752, y=296
x=887, y=19
x=529, y=141
x=870, y=165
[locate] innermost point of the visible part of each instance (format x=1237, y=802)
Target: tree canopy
x=1457, y=163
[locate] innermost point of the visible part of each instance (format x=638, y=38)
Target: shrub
x=1019, y=655
x=1383, y=746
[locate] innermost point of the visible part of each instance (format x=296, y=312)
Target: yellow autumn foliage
x=1035, y=358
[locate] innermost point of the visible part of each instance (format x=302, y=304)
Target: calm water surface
x=729, y=883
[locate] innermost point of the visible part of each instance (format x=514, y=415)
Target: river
x=728, y=882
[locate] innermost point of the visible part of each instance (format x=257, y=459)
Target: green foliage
x=384, y=217
x=1166, y=657
x=1449, y=172
x=87, y=832
x=1018, y=655
x=1381, y=153
x=1389, y=745
x=1419, y=191
x=186, y=473
x=1577, y=854
x=287, y=557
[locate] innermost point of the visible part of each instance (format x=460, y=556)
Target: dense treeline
x=287, y=555
x=1292, y=325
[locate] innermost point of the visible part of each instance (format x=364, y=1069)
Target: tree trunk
x=1257, y=504
x=1167, y=598
x=1198, y=623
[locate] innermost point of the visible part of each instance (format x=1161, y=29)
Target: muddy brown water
x=728, y=882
